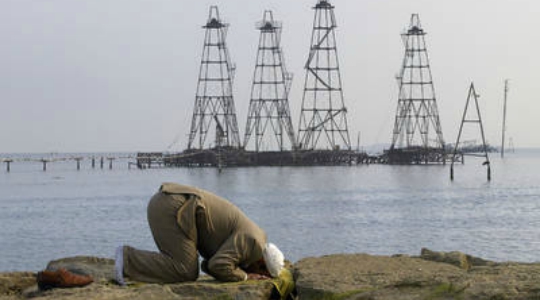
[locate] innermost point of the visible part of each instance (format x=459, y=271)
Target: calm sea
x=311, y=211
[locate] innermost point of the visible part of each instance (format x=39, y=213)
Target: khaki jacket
x=226, y=238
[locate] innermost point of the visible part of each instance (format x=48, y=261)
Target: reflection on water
x=312, y=211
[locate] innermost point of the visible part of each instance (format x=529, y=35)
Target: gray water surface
x=306, y=211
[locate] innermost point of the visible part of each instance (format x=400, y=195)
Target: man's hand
x=255, y=276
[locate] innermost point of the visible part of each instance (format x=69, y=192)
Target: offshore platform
x=270, y=139
x=322, y=137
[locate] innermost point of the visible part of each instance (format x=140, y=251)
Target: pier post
x=8, y=164
x=101, y=162
x=110, y=162
x=44, y=161
x=78, y=159
x=93, y=162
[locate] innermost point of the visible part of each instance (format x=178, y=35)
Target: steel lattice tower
x=269, y=118
x=417, y=123
x=323, y=118
x=214, y=111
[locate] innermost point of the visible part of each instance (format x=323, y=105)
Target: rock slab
x=23, y=285
x=434, y=276
x=431, y=275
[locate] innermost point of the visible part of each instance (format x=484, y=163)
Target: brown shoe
x=61, y=278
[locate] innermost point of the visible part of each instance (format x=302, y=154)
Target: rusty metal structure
x=269, y=126
x=323, y=138
x=323, y=117
x=214, y=111
x=417, y=134
x=457, y=155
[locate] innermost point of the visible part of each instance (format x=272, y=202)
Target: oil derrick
x=269, y=125
x=417, y=134
x=323, y=118
x=214, y=111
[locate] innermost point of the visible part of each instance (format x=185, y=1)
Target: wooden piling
x=93, y=162
x=101, y=162
x=78, y=159
x=8, y=164
x=44, y=161
x=110, y=162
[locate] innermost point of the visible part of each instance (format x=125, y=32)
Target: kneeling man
x=185, y=221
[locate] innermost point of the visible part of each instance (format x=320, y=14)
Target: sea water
x=306, y=211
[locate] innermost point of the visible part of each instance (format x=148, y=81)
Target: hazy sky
x=121, y=75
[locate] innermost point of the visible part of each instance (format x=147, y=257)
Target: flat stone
x=363, y=276
x=455, y=258
x=23, y=285
x=339, y=276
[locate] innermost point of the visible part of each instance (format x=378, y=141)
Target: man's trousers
x=177, y=260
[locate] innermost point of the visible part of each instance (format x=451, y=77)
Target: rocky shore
x=431, y=275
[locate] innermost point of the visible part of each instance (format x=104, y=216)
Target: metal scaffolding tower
x=269, y=118
x=417, y=124
x=214, y=111
x=323, y=118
